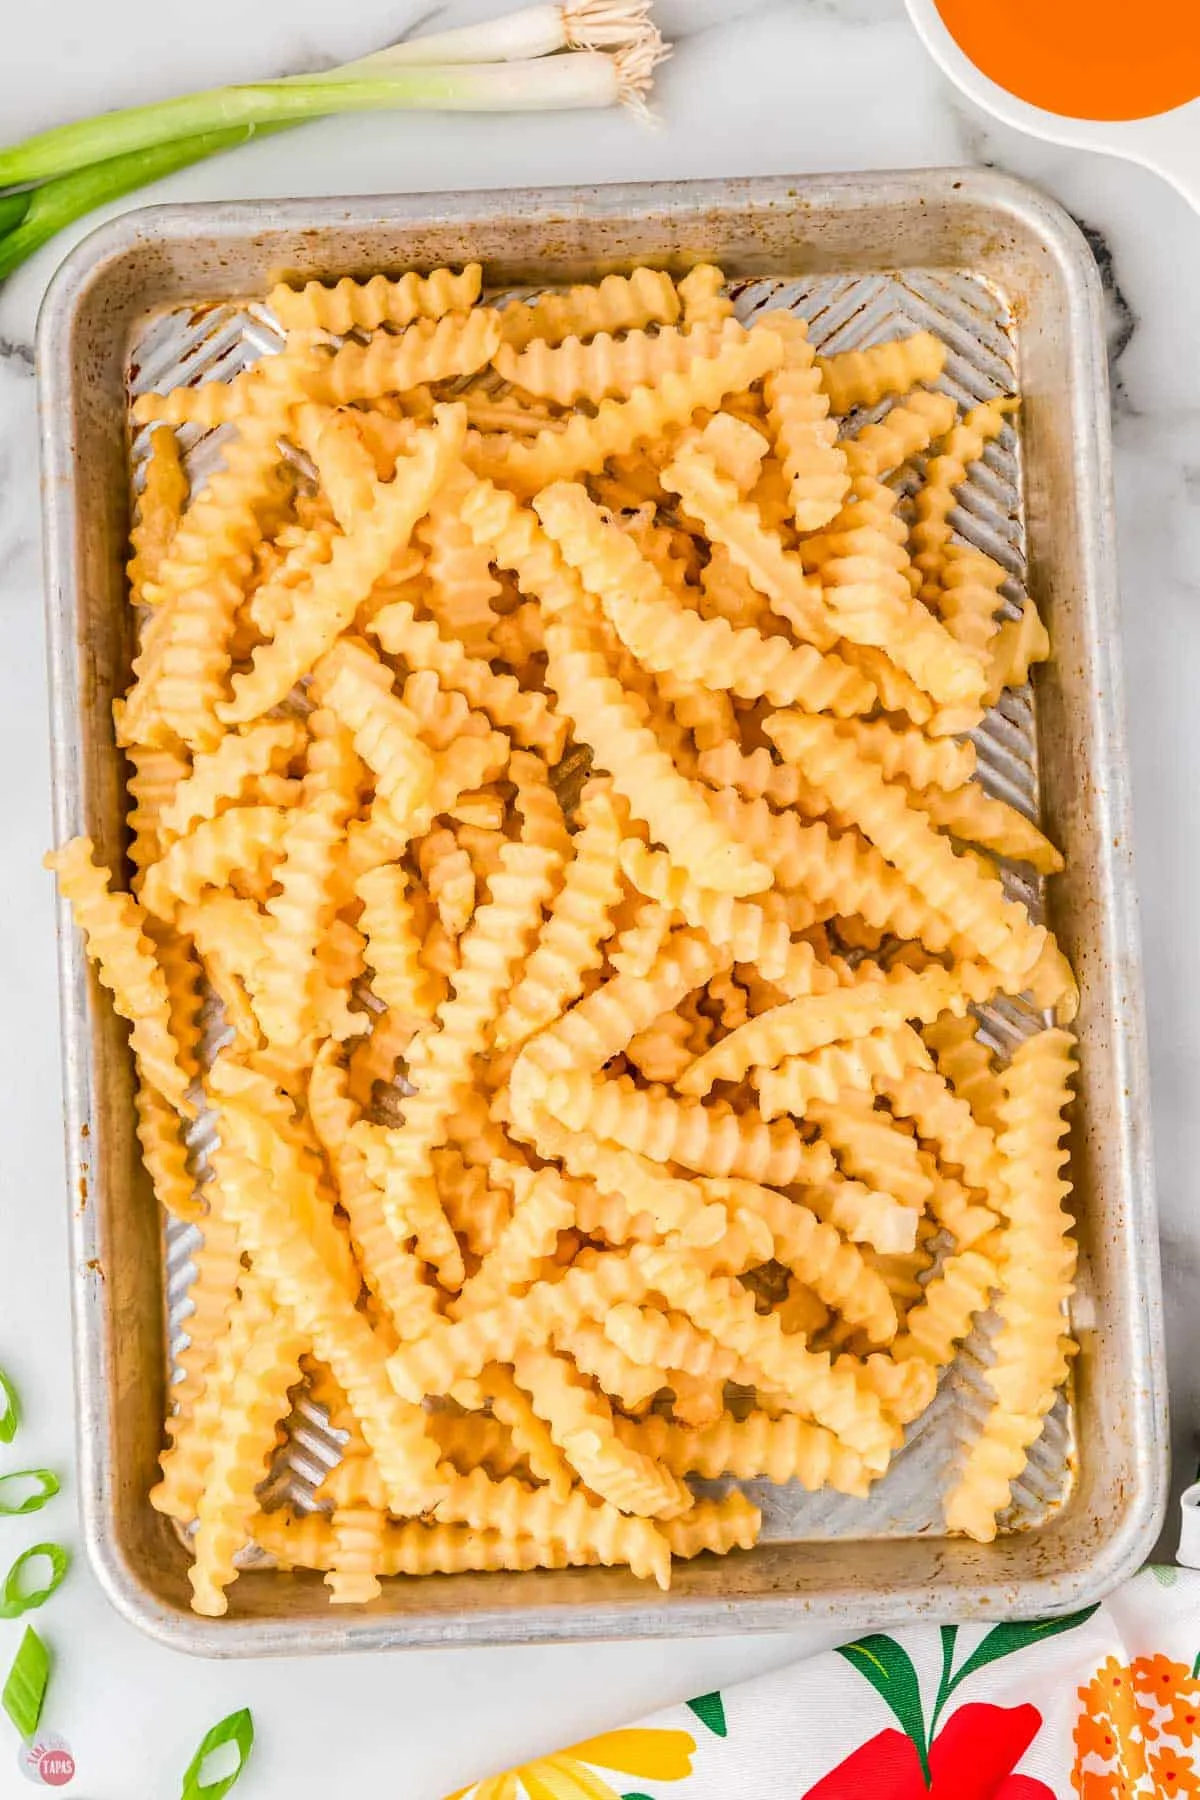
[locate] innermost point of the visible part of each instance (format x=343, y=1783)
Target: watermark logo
x=47, y=1760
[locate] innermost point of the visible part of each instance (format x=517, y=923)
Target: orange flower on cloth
x=1127, y=1709
x=1183, y=1721
x=572, y=1774
x=1173, y=1773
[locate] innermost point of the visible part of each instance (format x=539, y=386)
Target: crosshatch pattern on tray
x=190, y=345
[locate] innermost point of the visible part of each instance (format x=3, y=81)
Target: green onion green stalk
x=583, y=53
x=38, y=214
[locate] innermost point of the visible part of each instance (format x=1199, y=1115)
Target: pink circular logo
x=47, y=1759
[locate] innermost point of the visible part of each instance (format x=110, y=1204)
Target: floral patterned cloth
x=1104, y=1705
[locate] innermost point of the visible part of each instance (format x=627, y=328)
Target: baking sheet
x=1003, y=276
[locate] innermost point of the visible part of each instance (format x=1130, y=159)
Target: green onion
x=542, y=56
x=577, y=78
x=48, y=209
x=10, y=1418
x=13, y=208
x=47, y=1488
x=14, y=1602
x=237, y=1729
x=533, y=31
x=28, y=1679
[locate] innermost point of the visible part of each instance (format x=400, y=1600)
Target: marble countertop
x=754, y=88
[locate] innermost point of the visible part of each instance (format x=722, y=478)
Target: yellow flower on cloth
x=572, y=1774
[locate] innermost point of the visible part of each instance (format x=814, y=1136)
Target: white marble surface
x=753, y=88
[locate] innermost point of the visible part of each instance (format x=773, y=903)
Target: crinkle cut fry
x=159, y=508
x=323, y=607
x=973, y=905
x=154, y=779
x=871, y=602
x=950, y=1302
x=185, y=1002
x=340, y=1335
x=235, y=843
x=931, y=530
x=905, y=430
x=459, y=588
x=459, y=1350
x=906, y=754
x=783, y=1449
x=300, y=913
x=352, y=682
x=918, y=1092
x=718, y=1304
x=1018, y=644
x=112, y=928
x=391, y=1270
x=614, y=722
x=736, y=524
x=792, y=1085
x=966, y=1063
x=428, y=350
x=527, y=716
x=530, y=1435
x=855, y=378
x=241, y=1455
x=582, y=1425
x=223, y=775
x=542, y=1208
x=753, y=931
x=441, y=1061
x=183, y=656
x=669, y=638
x=599, y=1028
x=702, y=292
x=575, y=1522
x=815, y=1252
x=873, y=1146
x=814, y=463
x=416, y=1548
x=609, y=367
x=631, y=1184
x=1036, y=1278
x=619, y=426
x=365, y=305
x=714, y=1140
x=164, y=1155
x=804, y=1025
x=618, y=303
x=571, y=943
x=244, y=1312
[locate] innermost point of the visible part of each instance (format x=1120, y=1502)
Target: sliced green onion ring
x=46, y=1489
x=237, y=1729
x=12, y=1601
x=28, y=1679
x=10, y=1418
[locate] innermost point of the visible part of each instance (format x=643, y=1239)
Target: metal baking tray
x=1004, y=276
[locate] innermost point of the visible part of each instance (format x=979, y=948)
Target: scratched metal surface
x=843, y=312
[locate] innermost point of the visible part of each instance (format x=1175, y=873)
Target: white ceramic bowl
x=1168, y=143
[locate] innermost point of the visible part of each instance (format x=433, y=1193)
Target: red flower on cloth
x=975, y=1754
x=972, y=1758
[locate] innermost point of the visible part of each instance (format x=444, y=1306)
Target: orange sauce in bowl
x=1087, y=59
